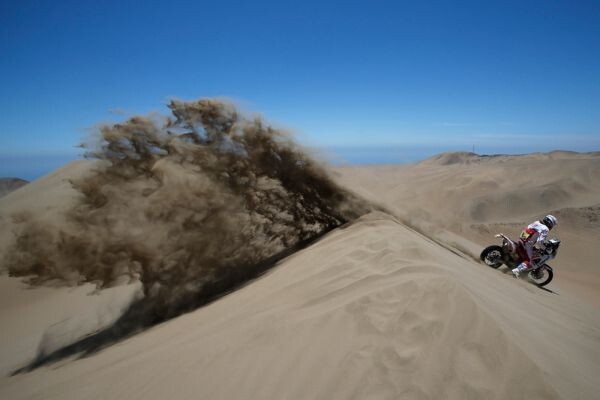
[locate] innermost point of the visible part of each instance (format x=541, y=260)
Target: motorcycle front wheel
x=492, y=256
x=541, y=276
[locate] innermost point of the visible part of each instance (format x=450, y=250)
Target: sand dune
x=51, y=317
x=466, y=198
x=374, y=309
x=44, y=319
x=8, y=185
x=463, y=188
x=45, y=199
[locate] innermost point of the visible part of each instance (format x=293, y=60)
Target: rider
x=533, y=236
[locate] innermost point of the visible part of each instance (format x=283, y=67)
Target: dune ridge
x=464, y=157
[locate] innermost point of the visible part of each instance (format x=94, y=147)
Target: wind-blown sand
x=374, y=309
x=45, y=198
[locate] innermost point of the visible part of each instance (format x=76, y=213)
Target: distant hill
x=449, y=158
x=463, y=157
x=7, y=185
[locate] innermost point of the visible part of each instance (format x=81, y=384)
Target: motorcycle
x=509, y=255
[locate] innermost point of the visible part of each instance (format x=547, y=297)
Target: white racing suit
x=532, y=237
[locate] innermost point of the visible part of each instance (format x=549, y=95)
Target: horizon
x=396, y=83
x=32, y=168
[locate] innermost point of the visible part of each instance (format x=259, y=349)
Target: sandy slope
x=44, y=198
x=372, y=310
x=35, y=319
x=451, y=189
x=458, y=196
x=8, y=185
x=48, y=317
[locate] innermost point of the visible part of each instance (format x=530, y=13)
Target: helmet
x=550, y=221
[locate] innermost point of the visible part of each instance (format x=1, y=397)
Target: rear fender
x=510, y=246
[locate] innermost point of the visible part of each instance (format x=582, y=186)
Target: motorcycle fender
x=511, y=247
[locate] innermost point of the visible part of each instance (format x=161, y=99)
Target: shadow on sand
x=140, y=315
x=545, y=289
x=508, y=272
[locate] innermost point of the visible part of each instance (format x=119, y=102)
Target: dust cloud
x=186, y=204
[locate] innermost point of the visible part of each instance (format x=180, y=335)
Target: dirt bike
x=508, y=254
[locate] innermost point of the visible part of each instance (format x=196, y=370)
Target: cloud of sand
x=181, y=202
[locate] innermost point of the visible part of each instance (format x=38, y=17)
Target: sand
x=463, y=199
x=374, y=309
x=45, y=198
x=8, y=185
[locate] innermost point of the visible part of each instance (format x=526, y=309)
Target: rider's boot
x=520, y=268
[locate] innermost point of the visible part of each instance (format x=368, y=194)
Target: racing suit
x=532, y=237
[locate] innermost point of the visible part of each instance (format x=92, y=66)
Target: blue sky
x=377, y=81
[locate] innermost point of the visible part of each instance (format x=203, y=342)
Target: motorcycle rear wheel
x=492, y=256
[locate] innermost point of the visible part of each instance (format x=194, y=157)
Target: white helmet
x=550, y=221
